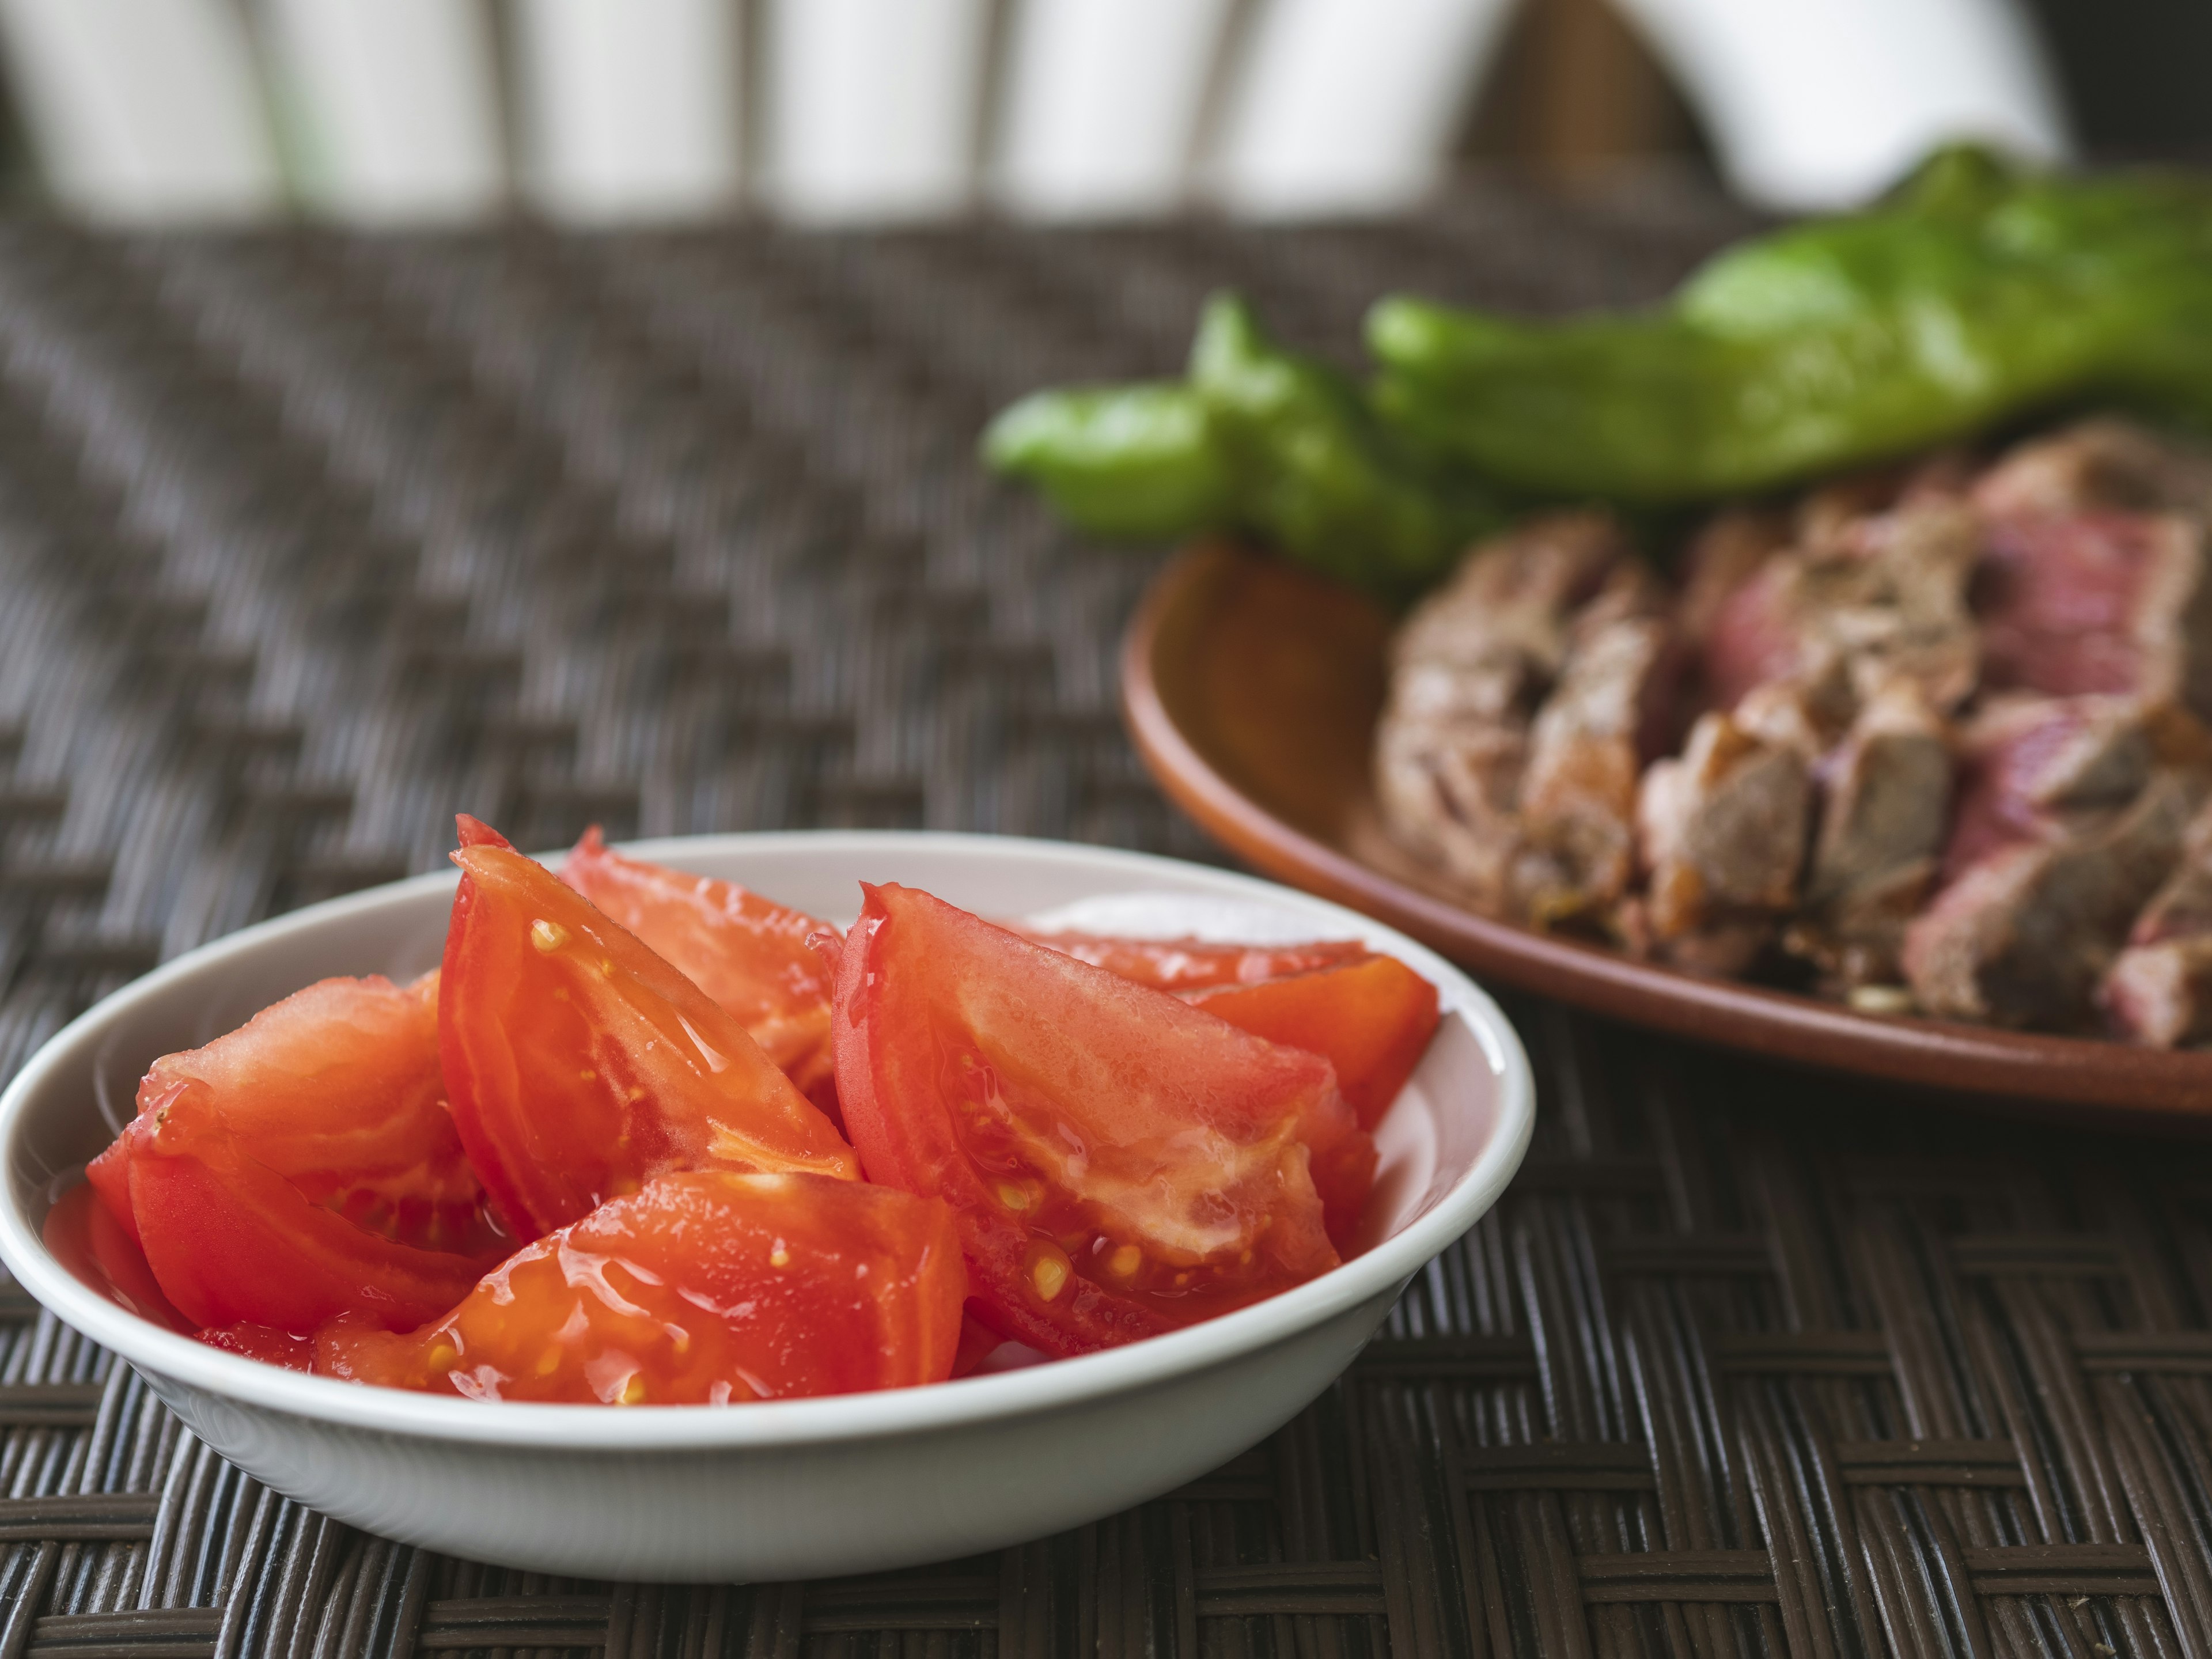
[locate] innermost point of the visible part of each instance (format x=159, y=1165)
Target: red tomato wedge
x=1372, y=1020
x=1121, y=1163
x=305, y=1165
x=85, y=1237
x=746, y=952
x=1196, y=964
x=704, y=1288
x=580, y=1065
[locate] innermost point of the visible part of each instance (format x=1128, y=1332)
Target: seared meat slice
x=1722, y=830
x=2031, y=759
x=1607, y=715
x=2099, y=463
x=2098, y=602
x=2161, y=994
x=1883, y=595
x=2023, y=938
x=1470, y=669
x=1721, y=557
x=1885, y=802
x=1828, y=508
x=2159, y=991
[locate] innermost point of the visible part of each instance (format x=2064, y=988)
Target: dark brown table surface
x=305, y=543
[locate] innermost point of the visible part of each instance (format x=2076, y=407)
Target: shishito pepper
x=1258, y=439
x=1973, y=295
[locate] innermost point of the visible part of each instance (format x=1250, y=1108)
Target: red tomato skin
x=1372, y=1018
x=746, y=952
x=232, y=1241
x=892, y=1052
x=579, y=1064
x=705, y=1287
x=302, y=1165
x=110, y=1176
x=86, y=1237
x=270, y=1346
x=1195, y=964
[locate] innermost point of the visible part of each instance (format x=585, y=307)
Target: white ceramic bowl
x=796, y=1488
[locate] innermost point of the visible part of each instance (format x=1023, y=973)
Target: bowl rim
x=963, y=1401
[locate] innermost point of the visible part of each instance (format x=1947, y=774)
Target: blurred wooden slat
x=1101, y=104
x=872, y=107
x=629, y=107
x=393, y=107
x=1349, y=105
x=142, y=113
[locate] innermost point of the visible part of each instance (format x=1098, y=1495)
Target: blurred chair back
x=388, y=112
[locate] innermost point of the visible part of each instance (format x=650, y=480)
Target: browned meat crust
x=2097, y=464
x=1886, y=803
x=2024, y=936
x=2159, y=990
x=1722, y=829
x=1470, y=669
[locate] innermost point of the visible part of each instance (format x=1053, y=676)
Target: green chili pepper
x=1973, y=295
x=1258, y=440
x=1135, y=461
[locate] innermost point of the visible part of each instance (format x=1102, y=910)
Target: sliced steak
x=2119, y=603
x=2160, y=995
x=2098, y=463
x=1722, y=830
x=2023, y=937
x=1883, y=597
x=1886, y=803
x=1470, y=669
x=2159, y=990
x=1607, y=715
x=2031, y=760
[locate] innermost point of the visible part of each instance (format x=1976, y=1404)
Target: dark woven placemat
x=305, y=543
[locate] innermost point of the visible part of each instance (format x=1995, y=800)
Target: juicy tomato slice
x=746, y=952
x=262, y=1342
x=1372, y=1018
x=305, y=1165
x=85, y=1237
x=705, y=1287
x=1121, y=1163
x=1196, y=964
x=580, y=1065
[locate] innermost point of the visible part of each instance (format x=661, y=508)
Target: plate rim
x=2152, y=1086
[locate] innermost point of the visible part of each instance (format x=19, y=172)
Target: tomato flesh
x=1197, y=964
x=1372, y=1020
x=305, y=1165
x=580, y=1065
x=705, y=1287
x=746, y=952
x=1121, y=1162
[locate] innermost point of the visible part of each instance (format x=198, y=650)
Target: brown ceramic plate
x=1252, y=689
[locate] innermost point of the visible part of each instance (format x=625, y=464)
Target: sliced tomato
x=704, y=1288
x=262, y=1342
x=1196, y=964
x=580, y=1065
x=86, y=1238
x=1121, y=1163
x=304, y=1165
x=1372, y=1018
x=746, y=952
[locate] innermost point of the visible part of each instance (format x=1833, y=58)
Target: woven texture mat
x=307, y=543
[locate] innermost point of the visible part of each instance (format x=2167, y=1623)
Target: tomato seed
x=1050, y=1271
x=548, y=936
